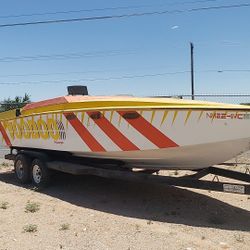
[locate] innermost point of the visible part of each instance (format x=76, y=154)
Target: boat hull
x=182, y=158
x=144, y=138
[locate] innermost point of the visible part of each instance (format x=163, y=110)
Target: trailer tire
x=40, y=174
x=22, y=167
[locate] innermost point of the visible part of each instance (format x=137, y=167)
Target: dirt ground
x=93, y=213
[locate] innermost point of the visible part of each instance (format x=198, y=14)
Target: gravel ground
x=94, y=213
x=2, y=153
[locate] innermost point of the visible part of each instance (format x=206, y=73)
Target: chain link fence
x=222, y=98
x=10, y=106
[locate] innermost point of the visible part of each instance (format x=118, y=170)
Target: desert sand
x=84, y=212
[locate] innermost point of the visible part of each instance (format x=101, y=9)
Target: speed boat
x=153, y=133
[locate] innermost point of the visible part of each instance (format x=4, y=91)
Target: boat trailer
x=239, y=185
x=152, y=176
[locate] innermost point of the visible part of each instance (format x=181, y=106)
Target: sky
x=144, y=55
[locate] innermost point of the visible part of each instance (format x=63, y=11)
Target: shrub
x=32, y=207
x=31, y=228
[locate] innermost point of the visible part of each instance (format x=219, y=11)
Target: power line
x=120, y=77
x=223, y=70
x=70, y=11
x=105, y=9
x=139, y=14
x=55, y=73
x=95, y=79
x=65, y=56
x=102, y=71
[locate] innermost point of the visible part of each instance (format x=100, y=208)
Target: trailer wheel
x=22, y=166
x=40, y=174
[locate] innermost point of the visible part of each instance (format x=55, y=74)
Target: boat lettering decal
x=62, y=133
x=85, y=135
x=45, y=129
x=150, y=132
x=227, y=115
x=44, y=134
x=5, y=136
x=113, y=133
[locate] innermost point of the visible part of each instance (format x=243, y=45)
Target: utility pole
x=192, y=69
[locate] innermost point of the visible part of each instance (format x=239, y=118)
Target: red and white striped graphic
x=86, y=136
x=118, y=133
x=149, y=131
x=131, y=133
x=113, y=133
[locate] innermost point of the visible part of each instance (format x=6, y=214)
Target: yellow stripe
x=133, y=103
x=164, y=117
x=7, y=115
x=82, y=118
x=152, y=116
x=188, y=115
x=214, y=113
x=115, y=103
x=175, y=116
x=120, y=120
x=201, y=113
x=111, y=116
x=88, y=123
x=67, y=124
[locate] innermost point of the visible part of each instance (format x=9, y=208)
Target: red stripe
x=5, y=136
x=113, y=133
x=149, y=131
x=92, y=143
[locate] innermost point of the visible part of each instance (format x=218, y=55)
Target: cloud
x=175, y=27
x=230, y=43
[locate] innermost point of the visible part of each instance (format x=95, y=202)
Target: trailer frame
x=80, y=166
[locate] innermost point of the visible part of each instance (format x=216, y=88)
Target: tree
x=17, y=102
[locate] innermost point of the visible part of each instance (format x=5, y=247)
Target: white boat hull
x=183, y=158
x=156, y=138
